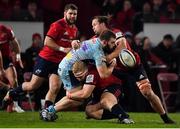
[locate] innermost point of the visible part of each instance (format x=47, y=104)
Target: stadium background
x=135, y=14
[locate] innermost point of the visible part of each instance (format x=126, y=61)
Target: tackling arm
x=82, y=94
x=105, y=71
x=121, y=44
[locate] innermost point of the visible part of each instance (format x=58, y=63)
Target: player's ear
x=104, y=42
x=65, y=13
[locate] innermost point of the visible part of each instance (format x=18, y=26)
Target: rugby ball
x=127, y=58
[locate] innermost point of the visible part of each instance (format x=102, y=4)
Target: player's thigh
x=111, y=93
x=107, y=96
x=108, y=100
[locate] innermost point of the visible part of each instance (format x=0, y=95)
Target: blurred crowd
x=126, y=15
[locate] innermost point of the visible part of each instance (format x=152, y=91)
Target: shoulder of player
x=62, y=24
x=115, y=30
x=59, y=23
x=93, y=71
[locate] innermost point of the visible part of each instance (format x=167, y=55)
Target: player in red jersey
x=100, y=23
x=56, y=44
x=105, y=95
x=9, y=43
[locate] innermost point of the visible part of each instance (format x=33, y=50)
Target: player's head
x=108, y=39
x=99, y=24
x=70, y=13
x=2, y=28
x=80, y=70
x=168, y=40
x=3, y=32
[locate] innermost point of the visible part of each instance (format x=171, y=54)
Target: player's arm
x=53, y=45
x=2, y=84
x=121, y=44
x=104, y=70
x=16, y=48
x=1, y=61
x=82, y=94
x=75, y=44
x=2, y=72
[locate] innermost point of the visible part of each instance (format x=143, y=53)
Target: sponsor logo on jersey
x=90, y=78
x=66, y=33
x=69, y=55
x=38, y=71
x=119, y=34
x=84, y=47
x=141, y=76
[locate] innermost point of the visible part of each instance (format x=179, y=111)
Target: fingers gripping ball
x=127, y=58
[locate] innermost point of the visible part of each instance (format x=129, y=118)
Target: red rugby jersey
x=62, y=34
x=93, y=78
x=6, y=36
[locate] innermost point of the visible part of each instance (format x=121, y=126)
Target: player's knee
x=88, y=111
x=148, y=93
x=145, y=87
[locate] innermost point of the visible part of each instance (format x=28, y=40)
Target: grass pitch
x=77, y=120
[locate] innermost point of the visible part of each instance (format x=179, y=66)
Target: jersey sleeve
x=56, y=30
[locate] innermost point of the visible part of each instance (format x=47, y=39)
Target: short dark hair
x=106, y=35
x=168, y=36
x=70, y=6
x=102, y=19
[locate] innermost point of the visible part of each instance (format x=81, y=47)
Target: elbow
x=85, y=95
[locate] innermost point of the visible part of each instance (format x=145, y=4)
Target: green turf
x=77, y=120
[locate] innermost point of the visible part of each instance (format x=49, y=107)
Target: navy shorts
x=43, y=67
x=115, y=89
x=138, y=73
